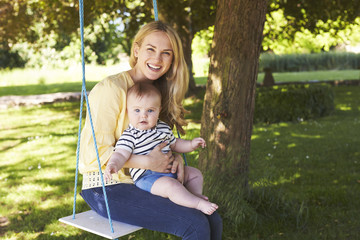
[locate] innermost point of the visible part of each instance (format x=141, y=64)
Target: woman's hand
x=159, y=161
x=178, y=168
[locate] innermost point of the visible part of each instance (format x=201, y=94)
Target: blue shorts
x=146, y=181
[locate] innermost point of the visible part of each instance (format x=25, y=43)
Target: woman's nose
x=158, y=56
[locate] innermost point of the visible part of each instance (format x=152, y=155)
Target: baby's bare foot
x=207, y=207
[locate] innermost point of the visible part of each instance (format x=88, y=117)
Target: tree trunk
x=230, y=92
x=268, y=78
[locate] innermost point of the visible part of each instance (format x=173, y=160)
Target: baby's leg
x=193, y=181
x=171, y=188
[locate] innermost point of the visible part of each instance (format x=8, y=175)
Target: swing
x=91, y=221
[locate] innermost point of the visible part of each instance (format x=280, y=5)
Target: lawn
x=304, y=176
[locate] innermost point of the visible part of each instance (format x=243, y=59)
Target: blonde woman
x=156, y=58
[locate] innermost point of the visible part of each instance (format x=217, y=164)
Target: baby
x=144, y=133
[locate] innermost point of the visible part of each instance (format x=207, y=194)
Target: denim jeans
x=131, y=205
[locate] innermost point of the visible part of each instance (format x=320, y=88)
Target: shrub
x=10, y=59
x=293, y=102
x=309, y=62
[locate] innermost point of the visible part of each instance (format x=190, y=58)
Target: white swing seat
x=92, y=222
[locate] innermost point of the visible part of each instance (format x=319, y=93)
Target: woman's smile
x=153, y=67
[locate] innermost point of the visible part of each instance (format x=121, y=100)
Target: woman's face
x=154, y=56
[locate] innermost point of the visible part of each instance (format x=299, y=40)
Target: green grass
x=314, y=76
x=317, y=163
x=304, y=177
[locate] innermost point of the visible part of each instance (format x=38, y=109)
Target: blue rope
x=83, y=93
x=155, y=10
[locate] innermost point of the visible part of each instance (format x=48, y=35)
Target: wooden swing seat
x=92, y=222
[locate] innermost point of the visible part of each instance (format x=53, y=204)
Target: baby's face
x=143, y=112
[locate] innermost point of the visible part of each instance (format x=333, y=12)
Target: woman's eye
x=167, y=53
x=150, y=49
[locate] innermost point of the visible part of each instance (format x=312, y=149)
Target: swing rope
x=155, y=10
x=83, y=93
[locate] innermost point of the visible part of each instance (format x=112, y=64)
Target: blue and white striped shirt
x=142, y=142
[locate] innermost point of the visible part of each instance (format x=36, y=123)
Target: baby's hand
x=197, y=142
x=110, y=169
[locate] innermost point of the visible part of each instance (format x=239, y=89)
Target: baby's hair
x=143, y=89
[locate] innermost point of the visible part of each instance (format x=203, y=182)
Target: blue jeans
x=132, y=205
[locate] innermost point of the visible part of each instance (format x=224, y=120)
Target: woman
x=157, y=58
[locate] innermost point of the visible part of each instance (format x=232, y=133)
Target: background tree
x=230, y=91
x=188, y=17
x=307, y=13
x=291, y=19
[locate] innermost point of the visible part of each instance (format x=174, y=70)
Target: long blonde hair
x=173, y=85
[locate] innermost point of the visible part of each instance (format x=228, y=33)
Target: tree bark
x=230, y=92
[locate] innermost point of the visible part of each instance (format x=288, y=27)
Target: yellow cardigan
x=107, y=102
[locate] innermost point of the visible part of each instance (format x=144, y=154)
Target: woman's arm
x=108, y=106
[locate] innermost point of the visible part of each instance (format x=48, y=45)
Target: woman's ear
x=136, y=49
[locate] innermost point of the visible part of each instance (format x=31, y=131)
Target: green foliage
x=307, y=13
x=310, y=62
x=105, y=39
x=202, y=42
x=293, y=103
x=103, y=44
x=282, y=35
x=10, y=59
x=200, y=48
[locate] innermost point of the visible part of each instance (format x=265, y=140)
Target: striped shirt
x=142, y=142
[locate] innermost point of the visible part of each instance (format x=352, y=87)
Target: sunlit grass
x=314, y=76
x=37, y=169
x=44, y=76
